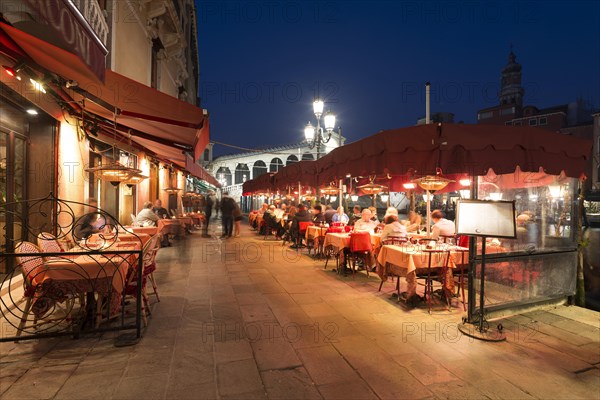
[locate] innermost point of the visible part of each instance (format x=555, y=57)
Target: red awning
x=148, y=110
x=303, y=172
x=262, y=183
x=176, y=125
x=46, y=55
x=198, y=171
x=458, y=148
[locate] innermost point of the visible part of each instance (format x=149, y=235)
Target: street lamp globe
x=329, y=120
x=318, y=105
x=309, y=132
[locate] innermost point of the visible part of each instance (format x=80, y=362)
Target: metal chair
x=148, y=263
x=30, y=267
x=360, y=249
x=432, y=274
x=398, y=241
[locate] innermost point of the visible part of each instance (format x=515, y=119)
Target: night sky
x=262, y=63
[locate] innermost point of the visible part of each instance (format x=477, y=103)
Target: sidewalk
x=246, y=318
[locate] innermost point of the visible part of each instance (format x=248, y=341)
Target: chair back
x=336, y=224
x=48, y=243
x=360, y=241
x=149, y=253
x=30, y=265
x=335, y=229
x=463, y=241
x=395, y=240
x=303, y=225
x=450, y=239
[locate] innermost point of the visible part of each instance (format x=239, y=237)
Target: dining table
x=340, y=241
x=149, y=230
x=100, y=271
x=408, y=259
x=170, y=226
x=315, y=232
x=133, y=237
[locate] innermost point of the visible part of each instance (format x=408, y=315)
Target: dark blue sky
x=261, y=63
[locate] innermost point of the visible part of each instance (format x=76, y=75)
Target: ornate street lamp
x=316, y=136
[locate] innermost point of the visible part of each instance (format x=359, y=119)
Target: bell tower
x=511, y=91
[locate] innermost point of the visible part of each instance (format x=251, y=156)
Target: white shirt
x=393, y=229
x=146, y=218
x=443, y=227
x=361, y=225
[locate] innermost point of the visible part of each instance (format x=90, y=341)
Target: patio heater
x=431, y=183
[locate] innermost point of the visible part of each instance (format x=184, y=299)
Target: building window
x=485, y=115
x=533, y=122
x=507, y=111
x=543, y=121
x=518, y=123
x=155, y=64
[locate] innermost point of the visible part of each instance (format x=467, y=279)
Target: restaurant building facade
x=87, y=86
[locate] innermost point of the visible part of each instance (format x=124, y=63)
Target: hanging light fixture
x=172, y=188
x=384, y=197
x=354, y=197
x=135, y=178
x=329, y=190
x=114, y=172
x=433, y=182
x=372, y=188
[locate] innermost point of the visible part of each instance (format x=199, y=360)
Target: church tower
x=511, y=91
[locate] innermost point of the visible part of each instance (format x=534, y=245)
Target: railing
x=95, y=16
x=50, y=291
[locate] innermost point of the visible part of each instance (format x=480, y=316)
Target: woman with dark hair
x=392, y=227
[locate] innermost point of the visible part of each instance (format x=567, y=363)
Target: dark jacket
x=301, y=216
x=208, y=206
x=227, y=206
x=318, y=218
x=328, y=214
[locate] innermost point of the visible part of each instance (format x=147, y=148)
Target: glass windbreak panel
x=3, y=165
x=530, y=278
x=545, y=210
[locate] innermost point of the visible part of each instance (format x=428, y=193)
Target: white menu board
x=486, y=218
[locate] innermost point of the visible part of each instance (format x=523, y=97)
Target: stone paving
x=246, y=318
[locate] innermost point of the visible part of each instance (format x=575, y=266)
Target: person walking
x=208, y=206
x=237, y=219
x=227, y=207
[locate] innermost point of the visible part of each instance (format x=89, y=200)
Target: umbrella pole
x=428, y=214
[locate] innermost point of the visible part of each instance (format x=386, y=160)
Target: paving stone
x=274, y=353
x=256, y=312
x=427, y=370
x=325, y=365
x=238, y=377
x=143, y=363
x=456, y=389
x=250, y=298
x=40, y=383
x=499, y=389
x=137, y=387
x=289, y=384
x=232, y=351
x=349, y=390
x=318, y=310
x=193, y=392
x=91, y=382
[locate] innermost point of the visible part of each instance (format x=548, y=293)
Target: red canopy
x=303, y=172
x=457, y=148
x=262, y=183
